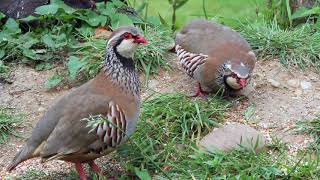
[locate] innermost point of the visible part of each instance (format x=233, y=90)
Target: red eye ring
x=127, y=35
x=234, y=75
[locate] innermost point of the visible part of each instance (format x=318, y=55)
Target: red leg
x=200, y=92
x=80, y=171
x=95, y=167
x=98, y=170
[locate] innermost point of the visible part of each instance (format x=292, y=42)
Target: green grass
x=65, y=36
x=294, y=47
x=8, y=121
x=228, y=9
x=168, y=130
x=164, y=146
x=33, y=174
x=312, y=128
x=4, y=71
x=148, y=58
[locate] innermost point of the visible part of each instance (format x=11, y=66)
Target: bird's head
x=236, y=76
x=125, y=40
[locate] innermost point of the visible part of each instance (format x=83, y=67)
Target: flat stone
x=298, y=92
x=41, y=109
x=305, y=85
x=153, y=83
x=274, y=83
x=231, y=137
x=293, y=83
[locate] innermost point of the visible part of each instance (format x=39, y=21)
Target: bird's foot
x=203, y=95
x=95, y=168
x=80, y=170
x=200, y=92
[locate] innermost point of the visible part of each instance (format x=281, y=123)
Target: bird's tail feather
x=24, y=154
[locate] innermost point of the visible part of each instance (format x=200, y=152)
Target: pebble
x=41, y=109
x=305, y=85
x=293, y=83
x=298, y=92
x=153, y=83
x=274, y=83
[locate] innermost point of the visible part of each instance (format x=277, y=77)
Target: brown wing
x=88, y=142
x=201, y=36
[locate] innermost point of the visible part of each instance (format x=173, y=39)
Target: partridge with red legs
x=114, y=93
x=215, y=55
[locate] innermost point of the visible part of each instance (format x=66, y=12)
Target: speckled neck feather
x=121, y=71
x=220, y=76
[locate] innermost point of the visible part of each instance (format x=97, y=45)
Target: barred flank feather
x=190, y=61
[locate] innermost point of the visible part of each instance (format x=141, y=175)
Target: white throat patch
x=232, y=82
x=127, y=47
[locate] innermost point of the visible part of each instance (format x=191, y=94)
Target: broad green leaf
x=85, y=30
x=142, y=174
x=154, y=20
x=48, y=41
x=74, y=66
x=66, y=8
x=120, y=20
x=47, y=9
x=29, y=53
x=124, y=20
x=4, y=36
x=61, y=40
x=109, y=11
x=118, y=3
x=12, y=26
x=97, y=20
x=28, y=40
x=53, y=81
x=93, y=19
x=2, y=15
x=2, y=54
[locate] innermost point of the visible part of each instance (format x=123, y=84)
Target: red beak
x=242, y=82
x=140, y=40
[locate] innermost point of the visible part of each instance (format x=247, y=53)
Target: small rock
x=298, y=92
x=230, y=136
x=274, y=83
x=153, y=83
x=41, y=109
x=293, y=83
x=305, y=85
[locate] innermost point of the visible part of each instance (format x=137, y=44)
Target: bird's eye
x=127, y=35
x=234, y=75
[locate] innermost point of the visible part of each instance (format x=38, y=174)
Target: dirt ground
x=277, y=97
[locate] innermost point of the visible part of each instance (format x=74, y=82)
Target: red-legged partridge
x=62, y=133
x=215, y=55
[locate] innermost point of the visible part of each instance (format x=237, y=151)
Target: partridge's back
x=202, y=36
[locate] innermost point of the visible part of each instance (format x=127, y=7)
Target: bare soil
x=276, y=98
